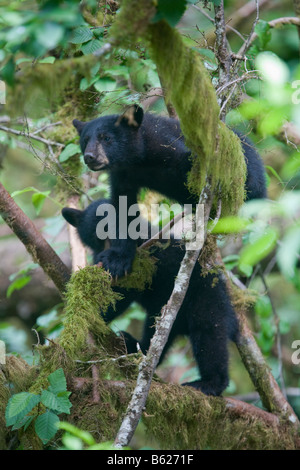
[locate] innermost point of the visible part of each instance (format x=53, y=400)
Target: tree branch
x=159, y=340
x=273, y=24
x=78, y=251
x=35, y=244
x=32, y=136
x=259, y=371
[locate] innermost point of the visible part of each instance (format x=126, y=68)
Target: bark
x=78, y=251
x=35, y=244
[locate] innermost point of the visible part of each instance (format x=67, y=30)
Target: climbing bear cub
x=206, y=315
x=147, y=151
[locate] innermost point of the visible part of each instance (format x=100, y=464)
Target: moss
x=88, y=294
x=104, y=418
x=143, y=269
x=69, y=181
x=20, y=373
x=39, y=86
x=183, y=418
x=4, y=397
x=242, y=300
x=216, y=150
x=131, y=22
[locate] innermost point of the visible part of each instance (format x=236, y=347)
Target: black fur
x=147, y=151
x=206, y=315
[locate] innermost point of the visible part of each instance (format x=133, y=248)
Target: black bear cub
x=206, y=315
x=147, y=151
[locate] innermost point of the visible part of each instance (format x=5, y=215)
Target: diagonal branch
x=32, y=136
x=41, y=252
x=273, y=24
x=159, y=340
x=253, y=360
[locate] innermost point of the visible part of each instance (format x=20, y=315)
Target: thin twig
x=47, y=126
x=278, y=336
x=32, y=136
x=158, y=236
x=273, y=24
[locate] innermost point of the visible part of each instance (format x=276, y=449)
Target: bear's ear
x=133, y=116
x=79, y=125
x=72, y=216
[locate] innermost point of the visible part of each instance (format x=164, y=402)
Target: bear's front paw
x=115, y=262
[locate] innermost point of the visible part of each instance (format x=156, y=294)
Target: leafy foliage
x=20, y=410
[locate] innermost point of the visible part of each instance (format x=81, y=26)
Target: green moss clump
x=4, y=397
x=216, y=150
x=143, y=269
x=132, y=22
x=183, y=418
x=39, y=86
x=88, y=295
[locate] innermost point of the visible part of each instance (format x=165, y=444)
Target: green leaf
x=245, y=269
x=7, y=72
x=19, y=405
x=292, y=166
x=231, y=261
x=81, y=35
x=57, y=381
x=170, y=10
x=22, y=191
x=69, y=151
x=98, y=32
x=231, y=224
x=85, y=83
x=259, y=249
x=262, y=30
x=61, y=404
x=48, y=60
x=25, y=421
x=288, y=252
x=274, y=173
x=85, y=436
x=71, y=442
x=17, y=285
x=49, y=34
x=105, y=84
x=91, y=46
x=38, y=200
x=284, y=327
x=263, y=307
x=46, y=426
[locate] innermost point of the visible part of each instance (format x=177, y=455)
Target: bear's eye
x=104, y=137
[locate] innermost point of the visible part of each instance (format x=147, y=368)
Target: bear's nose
x=89, y=158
